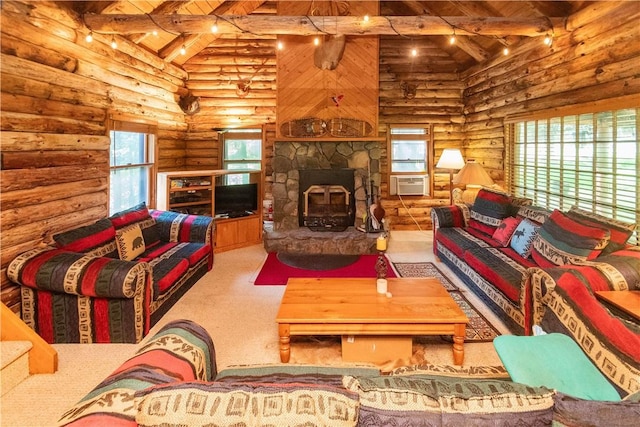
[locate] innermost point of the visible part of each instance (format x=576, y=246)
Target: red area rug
x=274, y=272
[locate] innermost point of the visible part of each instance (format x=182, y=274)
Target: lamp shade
x=474, y=174
x=451, y=159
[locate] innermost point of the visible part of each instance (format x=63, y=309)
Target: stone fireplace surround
x=291, y=157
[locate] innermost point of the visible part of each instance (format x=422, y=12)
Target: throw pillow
x=620, y=230
x=523, y=237
x=489, y=209
x=140, y=215
x=97, y=239
x=130, y=242
x=562, y=240
x=505, y=230
x=207, y=404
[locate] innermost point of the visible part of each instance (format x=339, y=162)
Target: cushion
x=430, y=400
x=523, y=237
x=140, y=215
x=553, y=361
x=620, y=231
x=234, y=404
x=130, y=242
x=97, y=239
x=489, y=209
x=535, y=214
x=562, y=240
x=505, y=230
x=571, y=411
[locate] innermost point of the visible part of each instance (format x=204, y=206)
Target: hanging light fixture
x=89, y=37
x=114, y=45
x=452, y=39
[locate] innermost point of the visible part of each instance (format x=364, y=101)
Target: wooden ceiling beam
x=171, y=51
x=466, y=44
x=317, y=25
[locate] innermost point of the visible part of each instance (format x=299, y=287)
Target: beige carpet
x=240, y=318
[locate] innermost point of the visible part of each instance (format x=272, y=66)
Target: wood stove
x=327, y=207
x=326, y=199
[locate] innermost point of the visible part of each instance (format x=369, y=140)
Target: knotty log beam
x=313, y=25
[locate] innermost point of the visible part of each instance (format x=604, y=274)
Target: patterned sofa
x=172, y=381
x=529, y=284
x=111, y=281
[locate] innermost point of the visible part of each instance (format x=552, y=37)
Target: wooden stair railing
x=43, y=358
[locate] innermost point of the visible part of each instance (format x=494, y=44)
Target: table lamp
x=474, y=177
x=451, y=159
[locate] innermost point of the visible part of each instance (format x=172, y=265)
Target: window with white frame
x=132, y=165
x=241, y=150
x=590, y=160
x=410, y=147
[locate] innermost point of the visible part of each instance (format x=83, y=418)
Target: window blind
x=590, y=160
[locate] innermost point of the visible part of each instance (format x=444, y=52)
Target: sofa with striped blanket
x=112, y=280
x=173, y=380
x=535, y=266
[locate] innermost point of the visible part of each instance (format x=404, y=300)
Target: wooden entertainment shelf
x=193, y=192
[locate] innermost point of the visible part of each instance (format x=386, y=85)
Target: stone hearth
x=306, y=241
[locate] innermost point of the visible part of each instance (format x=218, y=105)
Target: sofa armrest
x=181, y=351
x=617, y=271
x=450, y=216
x=60, y=271
x=177, y=227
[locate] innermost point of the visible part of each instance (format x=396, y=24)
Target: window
x=590, y=160
x=131, y=155
x=409, y=149
x=242, y=149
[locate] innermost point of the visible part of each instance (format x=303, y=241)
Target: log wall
x=437, y=102
x=56, y=93
x=597, y=62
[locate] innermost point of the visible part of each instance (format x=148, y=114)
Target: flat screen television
x=235, y=200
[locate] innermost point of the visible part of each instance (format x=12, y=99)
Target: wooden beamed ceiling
x=482, y=28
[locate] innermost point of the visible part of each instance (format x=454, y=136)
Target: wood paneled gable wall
x=57, y=92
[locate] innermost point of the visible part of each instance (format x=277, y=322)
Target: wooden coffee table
x=337, y=306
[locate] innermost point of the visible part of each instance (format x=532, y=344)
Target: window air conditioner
x=409, y=185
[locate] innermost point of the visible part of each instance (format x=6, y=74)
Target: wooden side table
x=627, y=301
